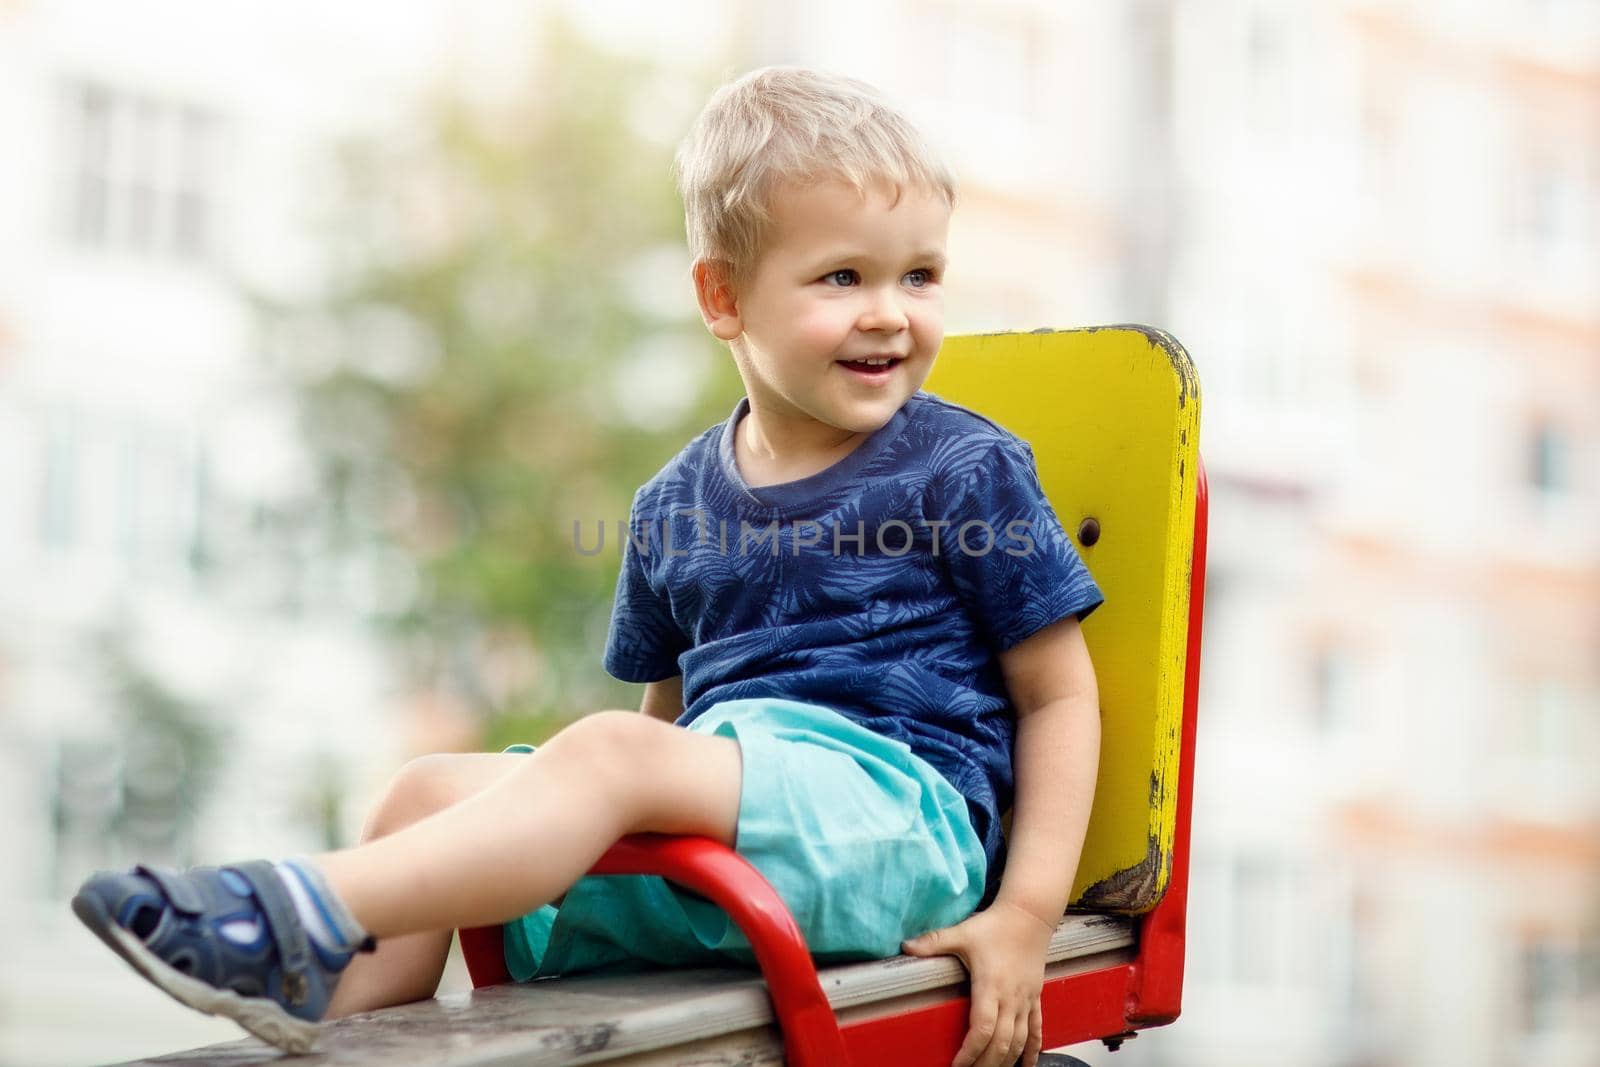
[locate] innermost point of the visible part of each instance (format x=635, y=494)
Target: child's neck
x=771, y=450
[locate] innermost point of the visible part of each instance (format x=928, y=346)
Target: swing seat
x=1113, y=417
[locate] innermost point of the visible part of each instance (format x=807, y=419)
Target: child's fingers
x=1035, y=1045
x=1019, y=1036
x=998, y=1052
x=981, y=1024
x=1011, y=1035
x=1022, y=1037
x=1015, y=1039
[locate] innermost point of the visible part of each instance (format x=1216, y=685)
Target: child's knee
x=612, y=746
x=651, y=774
x=421, y=787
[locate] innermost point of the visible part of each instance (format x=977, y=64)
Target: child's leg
x=408, y=968
x=529, y=835
x=517, y=844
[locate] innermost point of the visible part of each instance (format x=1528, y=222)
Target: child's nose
x=883, y=311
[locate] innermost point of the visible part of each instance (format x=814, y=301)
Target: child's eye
x=922, y=276
x=841, y=277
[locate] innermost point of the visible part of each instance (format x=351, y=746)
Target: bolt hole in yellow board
x=1113, y=415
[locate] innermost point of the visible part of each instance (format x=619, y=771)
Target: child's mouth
x=871, y=368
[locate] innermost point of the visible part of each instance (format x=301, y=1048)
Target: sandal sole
x=261, y=1016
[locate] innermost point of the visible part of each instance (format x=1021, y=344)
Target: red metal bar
x=810, y=1031
x=1080, y=1007
x=485, y=952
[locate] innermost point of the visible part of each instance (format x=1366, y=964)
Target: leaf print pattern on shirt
x=901, y=642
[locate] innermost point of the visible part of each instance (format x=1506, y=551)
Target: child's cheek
x=928, y=323
x=821, y=327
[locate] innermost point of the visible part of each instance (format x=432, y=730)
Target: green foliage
x=494, y=367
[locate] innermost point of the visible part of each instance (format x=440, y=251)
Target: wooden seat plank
x=661, y=1017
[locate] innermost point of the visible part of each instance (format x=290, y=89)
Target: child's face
x=843, y=278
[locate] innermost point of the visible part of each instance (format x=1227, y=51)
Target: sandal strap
x=179, y=891
x=288, y=933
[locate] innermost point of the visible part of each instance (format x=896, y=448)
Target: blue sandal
x=170, y=927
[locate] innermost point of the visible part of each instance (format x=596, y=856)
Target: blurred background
x=320, y=323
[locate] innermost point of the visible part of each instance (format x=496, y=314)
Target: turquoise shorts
x=865, y=842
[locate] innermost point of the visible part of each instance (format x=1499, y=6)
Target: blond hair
x=790, y=124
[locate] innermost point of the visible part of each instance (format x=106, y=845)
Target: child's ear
x=719, y=306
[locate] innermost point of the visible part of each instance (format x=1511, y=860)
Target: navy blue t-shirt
x=881, y=587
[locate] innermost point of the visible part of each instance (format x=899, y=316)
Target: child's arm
x=1051, y=683
x=664, y=699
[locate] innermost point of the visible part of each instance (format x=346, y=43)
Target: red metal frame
x=1109, y=1003
x=810, y=1033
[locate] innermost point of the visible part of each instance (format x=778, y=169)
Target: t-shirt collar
x=788, y=496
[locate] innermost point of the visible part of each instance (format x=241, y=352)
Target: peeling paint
x=1137, y=888
x=1182, y=365
x=1132, y=889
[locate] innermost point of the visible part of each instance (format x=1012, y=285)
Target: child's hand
x=1003, y=949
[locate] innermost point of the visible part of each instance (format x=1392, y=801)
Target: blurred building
x=184, y=674
x=1389, y=267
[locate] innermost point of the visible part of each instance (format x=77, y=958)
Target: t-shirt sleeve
x=644, y=641
x=1012, y=564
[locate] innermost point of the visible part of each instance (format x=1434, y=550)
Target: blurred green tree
x=510, y=348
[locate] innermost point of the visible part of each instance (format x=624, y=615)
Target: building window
x=191, y=202
x=1334, y=691
x=155, y=493
x=91, y=117
x=1549, y=460
x=106, y=480
x=1553, y=212
x=58, y=496
x=1560, y=980
x=1549, y=737
x=137, y=173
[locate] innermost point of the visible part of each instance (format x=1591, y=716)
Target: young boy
x=854, y=614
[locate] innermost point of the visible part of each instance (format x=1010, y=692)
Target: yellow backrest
x=1113, y=416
